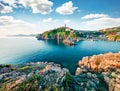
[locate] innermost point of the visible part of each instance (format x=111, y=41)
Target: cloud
x=66, y=8
x=93, y=16
x=66, y=21
x=51, y=20
x=5, y=9
x=38, y=6
x=48, y=20
x=100, y=23
x=9, y=20
x=9, y=25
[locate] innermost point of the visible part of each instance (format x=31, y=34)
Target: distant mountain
x=114, y=29
x=23, y=35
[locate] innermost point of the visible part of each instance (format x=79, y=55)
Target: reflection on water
x=54, y=42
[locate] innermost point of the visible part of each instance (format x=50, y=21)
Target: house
x=118, y=33
x=67, y=29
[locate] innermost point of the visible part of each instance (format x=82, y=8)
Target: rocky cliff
x=108, y=65
x=43, y=76
x=94, y=73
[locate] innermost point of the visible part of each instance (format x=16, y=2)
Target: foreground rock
x=95, y=73
x=108, y=65
x=43, y=76
x=31, y=77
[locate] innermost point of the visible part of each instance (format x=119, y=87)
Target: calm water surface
x=23, y=50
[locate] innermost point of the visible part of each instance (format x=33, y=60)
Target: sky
x=37, y=16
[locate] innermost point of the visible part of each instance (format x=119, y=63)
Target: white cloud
x=48, y=20
x=5, y=9
x=51, y=20
x=66, y=8
x=38, y=6
x=9, y=20
x=100, y=23
x=9, y=25
x=93, y=16
x=66, y=21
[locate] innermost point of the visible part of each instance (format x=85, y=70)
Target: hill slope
x=112, y=34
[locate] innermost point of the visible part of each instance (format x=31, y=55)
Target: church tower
x=65, y=26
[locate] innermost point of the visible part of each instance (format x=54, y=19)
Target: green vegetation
x=60, y=33
x=111, y=30
x=29, y=77
x=112, y=34
x=68, y=80
x=117, y=37
x=31, y=84
x=26, y=69
x=65, y=33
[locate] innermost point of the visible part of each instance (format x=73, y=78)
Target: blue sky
x=37, y=16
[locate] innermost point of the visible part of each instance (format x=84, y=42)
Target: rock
x=107, y=64
x=89, y=74
x=5, y=70
x=108, y=61
x=107, y=79
x=1, y=77
x=78, y=71
x=84, y=70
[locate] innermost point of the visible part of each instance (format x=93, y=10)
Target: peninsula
x=71, y=37
x=67, y=35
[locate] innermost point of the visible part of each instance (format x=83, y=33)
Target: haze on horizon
x=37, y=16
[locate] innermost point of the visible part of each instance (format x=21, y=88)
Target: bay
x=19, y=50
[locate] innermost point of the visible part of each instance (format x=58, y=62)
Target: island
x=94, y=73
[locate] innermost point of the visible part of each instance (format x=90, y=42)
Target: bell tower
x=65, y=26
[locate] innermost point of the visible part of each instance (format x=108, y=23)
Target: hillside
x=112, y=34
x=66, y=34
x=60, y=33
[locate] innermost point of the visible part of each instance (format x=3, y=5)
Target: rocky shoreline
x=94, y=73
x=108, y=65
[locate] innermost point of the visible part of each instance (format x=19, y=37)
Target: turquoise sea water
x=22, y=50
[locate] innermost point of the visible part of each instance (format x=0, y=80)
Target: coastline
x=86, y=77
